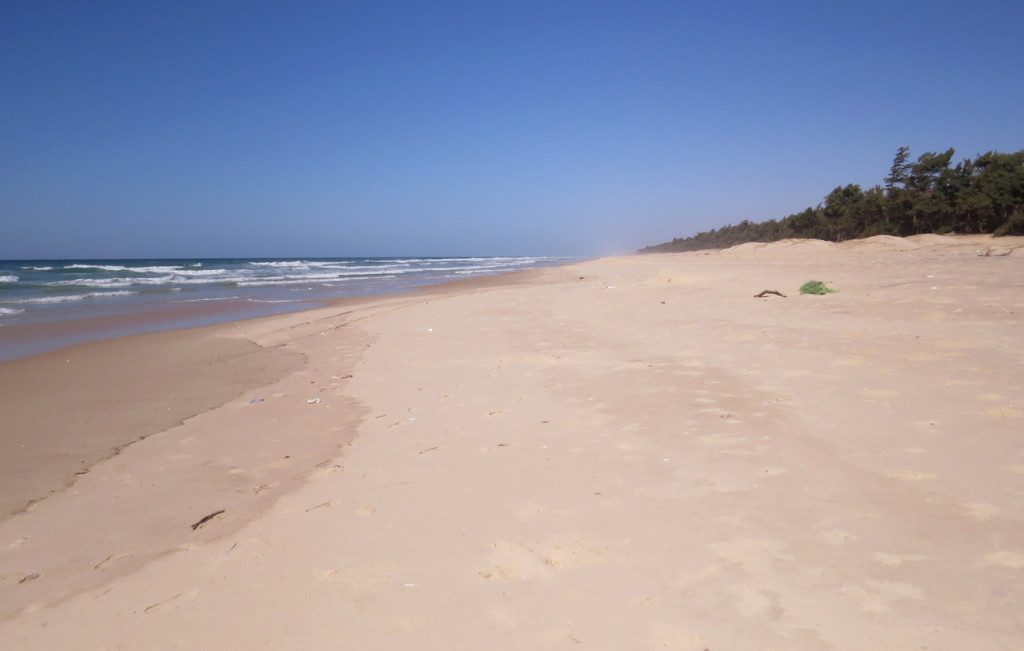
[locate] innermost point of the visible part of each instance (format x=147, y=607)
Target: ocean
x=38, y=295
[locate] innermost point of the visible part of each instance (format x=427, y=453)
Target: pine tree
x=900, y=170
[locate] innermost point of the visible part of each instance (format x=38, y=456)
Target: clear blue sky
x=201, y=129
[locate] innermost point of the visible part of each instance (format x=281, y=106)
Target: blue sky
x=203, y=129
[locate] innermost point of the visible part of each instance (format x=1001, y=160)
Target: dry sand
x=628, y=453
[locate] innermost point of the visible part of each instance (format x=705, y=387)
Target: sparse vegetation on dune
x=816, y=287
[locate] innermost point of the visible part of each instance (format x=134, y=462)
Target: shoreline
x=21, y=340
x=90, y=371
x=154, y=390
x=161, y=295
x=631, y=452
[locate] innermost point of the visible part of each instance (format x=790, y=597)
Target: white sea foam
x=99, y=283
x=302, y=264
x=468, y=270
x=199, y=272
x=10, y=310
x=369, y=271
x=209, y=300
x=148, y=269
x=257, y=280
x=267, y=300
x=354, y=270
x=103, y=267
x=158, y=269
x=286, y=280
x=45, y=300
x=298, y=278
x=120, y=281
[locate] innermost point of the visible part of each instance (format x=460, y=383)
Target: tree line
x=984, y=195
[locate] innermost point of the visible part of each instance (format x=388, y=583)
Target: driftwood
x=987, y=253
x=206, y=519
x=769, y=291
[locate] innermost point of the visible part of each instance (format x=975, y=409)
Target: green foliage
x=816, y=287
x=985, y=195
x=900, y=169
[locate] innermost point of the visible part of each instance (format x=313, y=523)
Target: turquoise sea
x=188, y=292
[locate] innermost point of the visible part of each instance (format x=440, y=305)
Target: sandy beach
x=628, y=453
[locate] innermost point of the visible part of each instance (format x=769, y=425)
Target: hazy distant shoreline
x=48, y=304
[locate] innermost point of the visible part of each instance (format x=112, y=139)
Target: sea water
x=46, y=291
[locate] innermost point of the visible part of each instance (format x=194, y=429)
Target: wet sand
x=626, y=453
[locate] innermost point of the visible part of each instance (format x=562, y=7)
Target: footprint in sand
x=503, y=617
x=960, y=382
x=981, y=510
x=753, y=554
x=720, y=440
x=879, y=595
x=528, y=510
x=408, y=625
x=1003, y=412
x=911, y=475
x=892, y=560
x=371, y=577
x=848, y=361
x=836, y=537
x=511, y=559
x=1005, y=559
x=879, y=393
x=19, y=542
x=754, y=603
x=676, y=636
